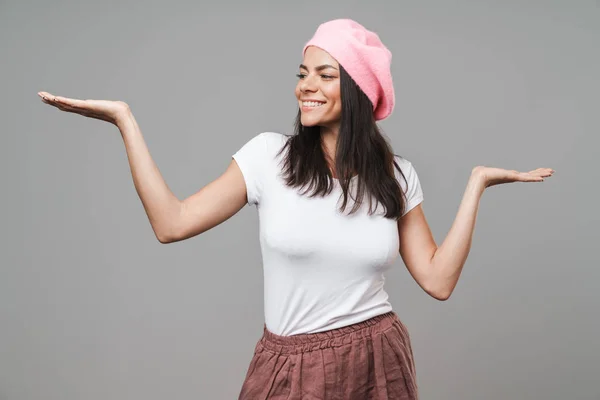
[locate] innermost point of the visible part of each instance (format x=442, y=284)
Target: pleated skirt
x=372, y=359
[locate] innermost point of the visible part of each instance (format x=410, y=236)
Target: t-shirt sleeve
x=251, y=158
x=412, y=186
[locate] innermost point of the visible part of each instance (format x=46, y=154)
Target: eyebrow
x=319, y=68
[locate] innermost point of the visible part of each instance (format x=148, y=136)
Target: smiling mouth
x=311, y=104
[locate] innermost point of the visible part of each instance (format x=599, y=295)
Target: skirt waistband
x=332, y=338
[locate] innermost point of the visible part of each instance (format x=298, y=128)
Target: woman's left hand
x=490, y=176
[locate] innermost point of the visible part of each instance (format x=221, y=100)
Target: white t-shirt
x=323, y=269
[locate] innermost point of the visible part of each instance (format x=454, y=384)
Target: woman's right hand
x=105, y=110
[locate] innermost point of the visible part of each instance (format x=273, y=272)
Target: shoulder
x=268, y=139
x=262, y=143
x=273, y=139
x=409, y=176
x=262, y=149
x=273, y=142
x=405, y=165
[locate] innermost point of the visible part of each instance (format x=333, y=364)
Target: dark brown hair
x=361, y=149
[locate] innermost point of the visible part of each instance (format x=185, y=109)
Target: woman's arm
x=171, y=219
x=449, y=259
x=160, y=204
x=437, y=269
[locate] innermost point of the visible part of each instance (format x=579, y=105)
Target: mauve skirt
x=372, y=359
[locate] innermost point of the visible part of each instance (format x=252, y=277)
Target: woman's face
x=319, y=81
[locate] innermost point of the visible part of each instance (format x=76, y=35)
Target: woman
x=329, y=332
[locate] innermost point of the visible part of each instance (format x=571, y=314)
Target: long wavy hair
x=361, y=150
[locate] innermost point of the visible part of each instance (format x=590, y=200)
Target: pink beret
x=364, y=56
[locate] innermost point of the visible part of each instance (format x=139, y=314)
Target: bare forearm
x=161, y=205
x=449, y=258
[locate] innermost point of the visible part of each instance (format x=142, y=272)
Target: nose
x=307, y=84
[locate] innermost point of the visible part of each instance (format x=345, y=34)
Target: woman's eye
x=300, y=76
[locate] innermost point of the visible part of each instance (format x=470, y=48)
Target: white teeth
x=311, y=104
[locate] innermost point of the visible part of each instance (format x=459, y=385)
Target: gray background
x=92, y=306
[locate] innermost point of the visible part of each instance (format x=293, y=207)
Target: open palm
x=106, y=110
x=495, y=176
